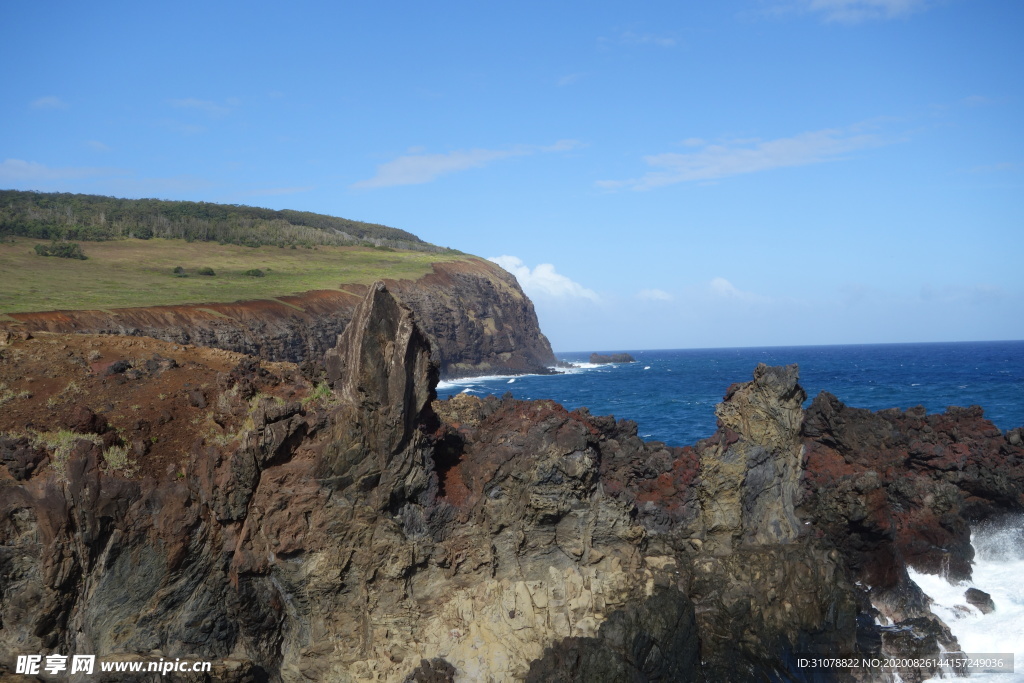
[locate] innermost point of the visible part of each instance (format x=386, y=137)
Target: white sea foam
x=578, y=367
x=445, y=385
x=470, y=382
x=999, y=571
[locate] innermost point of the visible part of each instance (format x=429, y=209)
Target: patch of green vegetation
x=65, y=216
x=254, y=272
x=322, y=395
x=117, y=459
x=61, y=250
x=8, y=395
x=207, y=271
x=131, y=272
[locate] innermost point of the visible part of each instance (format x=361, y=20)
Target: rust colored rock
x=897, y=487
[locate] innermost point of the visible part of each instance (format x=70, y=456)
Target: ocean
x=671, y=395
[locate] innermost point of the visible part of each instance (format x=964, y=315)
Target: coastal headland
x=169, y=500
x=477, y=316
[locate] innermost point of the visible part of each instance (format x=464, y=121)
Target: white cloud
x=20, y=170
x=49, y=102
x=206, y=106
x=415, y=169
x=723, y=289
x=568, y=79
x=745, y=156
x=856, y=11
x=544, y=280
x=97, y=145
x=654, y=295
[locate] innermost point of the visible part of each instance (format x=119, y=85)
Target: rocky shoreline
x=363, y=531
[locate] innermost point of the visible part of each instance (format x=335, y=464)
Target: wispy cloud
x=854, y=11
x=97, y=146
x=568, y=79
x=633, y=38
x=544, y=280
x=654, y=295
x=415, y=169
x=182, y=128
x=721, y=288
x=20, y=170
x=996, y=168
x=206, y=106
x=49, y=102
x=973, y=294
x=745, y=156
x=275, y=191
x=977, y=101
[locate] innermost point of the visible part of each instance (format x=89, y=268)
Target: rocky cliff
x=194, y=503
x=478, y=319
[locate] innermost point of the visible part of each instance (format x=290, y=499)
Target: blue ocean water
x=672, y=394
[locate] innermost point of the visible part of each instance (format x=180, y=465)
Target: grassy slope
x=126, y=273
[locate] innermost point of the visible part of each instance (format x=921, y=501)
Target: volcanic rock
x=599, y=359
x=366, y=531
x=980, y=599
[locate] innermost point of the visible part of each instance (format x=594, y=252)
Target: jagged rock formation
x=477, y=317
x=374, y=534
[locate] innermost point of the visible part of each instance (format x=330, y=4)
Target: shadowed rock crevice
x=655, y=640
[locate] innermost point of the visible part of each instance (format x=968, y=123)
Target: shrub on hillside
x=61, y=250
x=206, y=270
x=254, y=272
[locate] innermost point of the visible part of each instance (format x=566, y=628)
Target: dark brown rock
x=599, y=359
x=980, y=599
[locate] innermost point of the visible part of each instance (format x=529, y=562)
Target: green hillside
x=135, y=272
x=83, y=217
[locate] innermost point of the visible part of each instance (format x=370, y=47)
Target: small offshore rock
x=599, y=359
x=981, y=600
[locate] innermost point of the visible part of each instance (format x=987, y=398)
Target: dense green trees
x=63, y=216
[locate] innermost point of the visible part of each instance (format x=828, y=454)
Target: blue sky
x=657, y=174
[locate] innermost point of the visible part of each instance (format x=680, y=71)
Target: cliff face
x=374, y=534
x=475, y=314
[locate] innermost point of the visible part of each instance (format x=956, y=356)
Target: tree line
x=65, y=216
